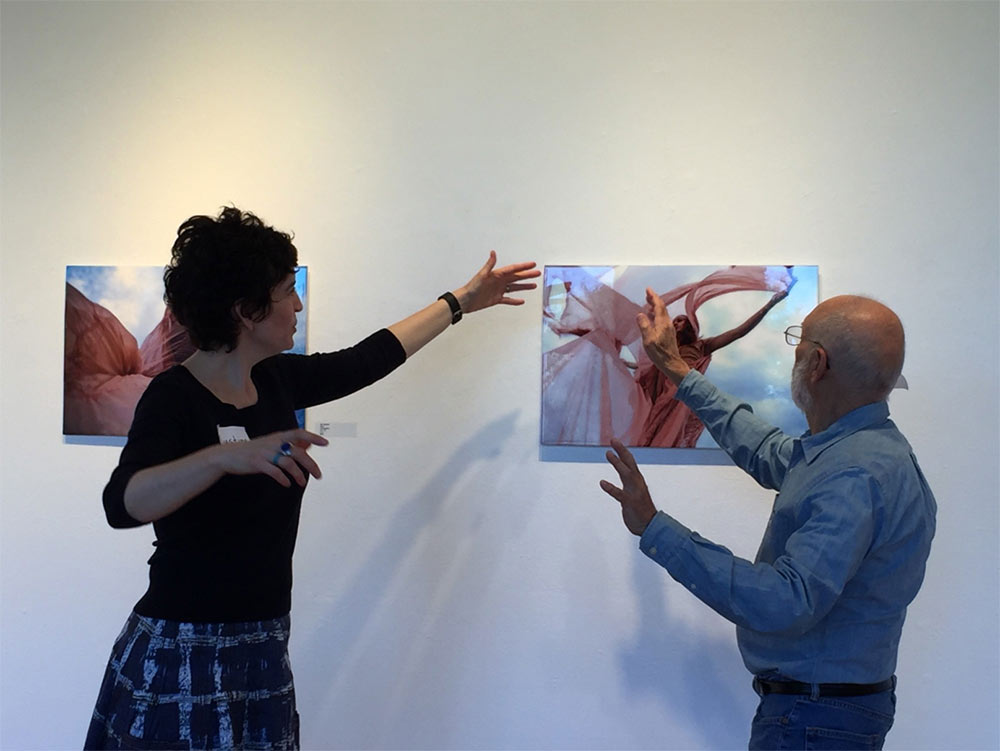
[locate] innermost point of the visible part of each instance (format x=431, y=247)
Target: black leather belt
x=764, y=687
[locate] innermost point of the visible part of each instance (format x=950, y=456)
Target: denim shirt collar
x=858, y=419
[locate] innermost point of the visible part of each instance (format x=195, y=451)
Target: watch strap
x=456, y=309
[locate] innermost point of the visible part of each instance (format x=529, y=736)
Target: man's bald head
x=864, y=343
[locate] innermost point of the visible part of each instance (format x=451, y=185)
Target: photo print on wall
x=109, y=311
x=598, y=383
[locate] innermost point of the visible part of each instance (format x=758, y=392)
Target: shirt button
x=693, y=586
x=652, y=550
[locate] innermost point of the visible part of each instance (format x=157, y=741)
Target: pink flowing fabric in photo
x=105, y=371
x=590, y=394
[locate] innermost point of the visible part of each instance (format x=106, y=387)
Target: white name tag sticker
x=232, y=434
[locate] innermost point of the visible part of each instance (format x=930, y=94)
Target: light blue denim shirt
x=843, y=554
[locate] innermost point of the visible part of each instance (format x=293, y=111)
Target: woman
x=216, y=462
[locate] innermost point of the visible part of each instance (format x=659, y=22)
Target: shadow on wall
x=688, y=671
x=356, y=617
x=409, y=587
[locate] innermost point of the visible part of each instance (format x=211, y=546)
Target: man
x=820, y=611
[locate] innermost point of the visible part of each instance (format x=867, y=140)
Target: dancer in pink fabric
x=669, y=423
x=590, y=394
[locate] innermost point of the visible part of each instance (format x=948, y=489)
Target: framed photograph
x=598, y=383
x=119, y=335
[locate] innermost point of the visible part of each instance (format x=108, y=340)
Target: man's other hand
x=633, y=495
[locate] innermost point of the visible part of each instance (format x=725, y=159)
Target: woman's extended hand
x=488, y=287
x=279, y=455
x=491, y=286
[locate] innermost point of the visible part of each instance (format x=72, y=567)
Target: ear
x=819, y=365
x=245, y=321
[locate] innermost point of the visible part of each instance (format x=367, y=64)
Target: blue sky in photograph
x=133, y=293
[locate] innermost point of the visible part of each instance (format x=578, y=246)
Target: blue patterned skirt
x=172, y=685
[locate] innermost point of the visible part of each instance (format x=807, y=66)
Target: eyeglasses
x=793, y=335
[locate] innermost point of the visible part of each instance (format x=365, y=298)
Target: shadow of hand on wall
x=692, y=673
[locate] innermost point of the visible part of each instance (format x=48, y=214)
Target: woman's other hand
x=157, y=491
x=280, y=455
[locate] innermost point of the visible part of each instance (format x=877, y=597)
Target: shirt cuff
x=663, y=537
x=391, y=346
x=689, y=384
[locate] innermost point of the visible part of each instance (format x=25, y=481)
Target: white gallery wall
x=454, y=588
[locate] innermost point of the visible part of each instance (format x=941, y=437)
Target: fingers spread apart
x=615, y=492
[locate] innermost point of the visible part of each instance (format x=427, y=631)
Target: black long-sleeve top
x=226, y=555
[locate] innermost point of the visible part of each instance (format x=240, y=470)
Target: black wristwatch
x=456, y=309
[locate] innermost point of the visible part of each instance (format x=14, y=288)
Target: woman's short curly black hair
x=221, y=267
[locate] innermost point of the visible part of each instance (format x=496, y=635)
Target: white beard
x=800, y=394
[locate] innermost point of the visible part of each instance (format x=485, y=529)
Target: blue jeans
x=789, y=721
